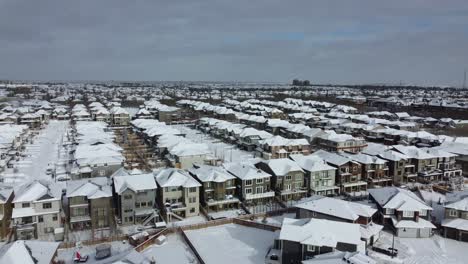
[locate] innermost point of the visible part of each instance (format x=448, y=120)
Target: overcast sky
x=326, y=41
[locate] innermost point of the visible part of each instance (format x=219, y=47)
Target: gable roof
x=398, y=199
x=92, y=188
x=336, y=207
x=171, y=177
x=281, y=167
x=206, y=173
x=138, y=182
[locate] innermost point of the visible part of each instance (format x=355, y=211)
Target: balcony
x=251, y=196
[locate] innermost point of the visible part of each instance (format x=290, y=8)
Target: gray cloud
x=361, y=41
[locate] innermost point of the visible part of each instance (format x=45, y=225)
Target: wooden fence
x=94, y=241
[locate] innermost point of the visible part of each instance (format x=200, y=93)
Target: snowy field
x=231, y=244
x=227, y=214
x=188, y=221
x=434, y=250
x=172, y=251
x=118, y=251
x=223, y=151
x=44, y=152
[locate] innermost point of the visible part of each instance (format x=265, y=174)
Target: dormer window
x=26, y=205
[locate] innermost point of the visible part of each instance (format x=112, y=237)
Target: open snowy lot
x=173, y=250
x=231, y=244
x=434, y=250
x=223, y=151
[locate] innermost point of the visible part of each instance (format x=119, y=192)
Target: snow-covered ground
x=173, y=250
x=276, y=220
x=188, y=221
x=118, y=251
x=45, y=151
x=223, y=151
x=434, y=250
x=231, y=244
x=227, y=214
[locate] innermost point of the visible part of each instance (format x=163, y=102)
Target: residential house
x=425, y=163
x=278, y=147
x=303, y=239
x=119, y=117
x=136, y=197
x=374, y=169
x=402, y=210
x=37, y=209
x=348, y=174
x=319, y=177
x=331, y=141
x=218, y=187
x=253, y=185
x=455, y=224
x=287, y=180
x=90, y=203
x=179, y=193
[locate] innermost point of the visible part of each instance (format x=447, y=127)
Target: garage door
x=464, y=237
x=451, y=233
x=407, y=232
x=424, y=232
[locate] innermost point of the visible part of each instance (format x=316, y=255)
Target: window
x=408, y=213
x=128, y=210
x=192, y=199
x=208, y=184
x=389, y=211
x=40, y=219
x=26, y=205
x=137, y=205
x=453, y=213
x=54, y=218
x=287, y=187
x=46, y=205
x=248, y=190
x=259, y=189
x=150, y=203
x=192, y=210
x=248, y=182
x=288, y=177
x=310, y=248
x=423, y=213
x=127, y=197
x=259, y=181
x=192, y=189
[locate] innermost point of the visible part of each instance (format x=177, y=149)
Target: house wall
x=6, y=210
x=291, y=252
x=193, y=208
x=101, y=212
x=187, y=162
x=127, y=206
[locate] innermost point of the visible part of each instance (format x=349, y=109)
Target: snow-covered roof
x=92, y=188
x=456, y=223
x=171, y=177
x=37, y=191
x=398, y=199
x=206, y=173
x=311, y=163
x=337, y=208
x=320, y=232
x=138, y=182
x=332, y=158
x=245, y=170
x=28, y=252
x=461, y=205
x=281, y=167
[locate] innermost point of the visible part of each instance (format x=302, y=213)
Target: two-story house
x=287, y=180
x=136, y=197
x=278, y=147
x=403, y=211
x=348, y=173
x=425, y=164
x=218, y=190
x=319, y=177
x=331, y=141
x=455, y=224
x=90, y=203
x=179, y=193
x=119, y=116
x=36, y=212
x=253, y=184
x=374, y=169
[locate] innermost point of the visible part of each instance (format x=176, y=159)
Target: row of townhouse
x=12, y=139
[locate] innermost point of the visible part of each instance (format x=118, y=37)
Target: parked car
x=80, y=258
x=103, y=251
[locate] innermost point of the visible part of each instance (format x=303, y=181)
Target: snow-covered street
x=41, y=157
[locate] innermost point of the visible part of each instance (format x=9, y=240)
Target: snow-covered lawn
x=227, y=213
x=434, y=250
x=231, y=244
x=173, y=250
x=221, y=150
